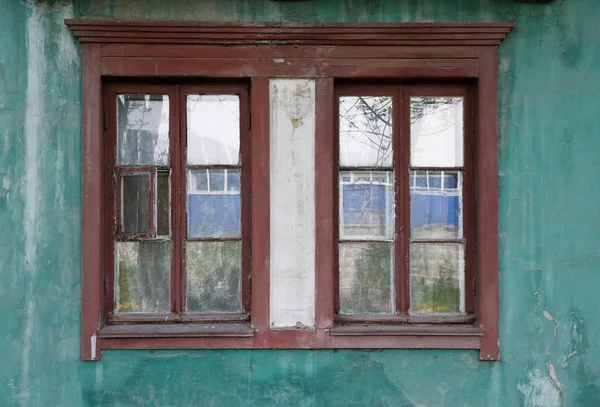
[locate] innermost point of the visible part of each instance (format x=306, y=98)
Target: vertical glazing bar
x=245, y=197
x=177, y=131
x=467, y=215
x=111, y=196
x=401, y=166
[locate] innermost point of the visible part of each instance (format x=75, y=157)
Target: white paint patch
x=68, y=53
x=292, y=200
x=93, y=346
x=278, y=60
x=5, y=182
x=539, y=391
x=34, y=110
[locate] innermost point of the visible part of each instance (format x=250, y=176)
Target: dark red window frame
x=331, y=53
x=129, y=323
x=401, y=94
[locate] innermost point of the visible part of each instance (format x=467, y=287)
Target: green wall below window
x=549, y=155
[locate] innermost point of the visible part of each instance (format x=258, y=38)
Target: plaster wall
x=549, y=158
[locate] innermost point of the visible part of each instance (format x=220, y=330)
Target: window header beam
x=389, y=34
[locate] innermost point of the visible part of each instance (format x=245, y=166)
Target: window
x=181, y=123
x=176, y=239
x=405, y=213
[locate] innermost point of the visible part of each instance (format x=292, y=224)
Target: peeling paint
x=93, y=346
x=539, y=391
x=297, y=122
x=34, y=110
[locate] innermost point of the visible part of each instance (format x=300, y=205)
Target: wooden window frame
x=396, y=52
x=401, y=168
x=130, y=323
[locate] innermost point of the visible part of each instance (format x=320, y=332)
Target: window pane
x=366, y=278
x=142, y=280
x=214, y=213
x=436, y=131
x=135, y=203
x=436, y=204
x=214, y=276
x=366, y=131
x=216, y=180
x=142, y=130
x=233, y=180
x=163, y=194
x=366, y=205
x=437, y=278
x=213, y=129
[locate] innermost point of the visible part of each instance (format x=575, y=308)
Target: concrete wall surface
x=549, y=155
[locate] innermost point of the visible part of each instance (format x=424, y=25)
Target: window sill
x=176, y=331
x=405, y=330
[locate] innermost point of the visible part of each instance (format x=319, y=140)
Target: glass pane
x=437, y=278
x=366, y=131
x=436, y=204
x=142, y=280
x=216, y=179
x=366, y=205
x=142, y=130
x=233, y=180
x=135, y=203
x=436, y=131
x=163, y=195
x=213, y=129
x=366, y=278
x=214, y=271
x=213, y=213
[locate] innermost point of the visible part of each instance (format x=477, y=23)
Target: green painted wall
x=549, y=226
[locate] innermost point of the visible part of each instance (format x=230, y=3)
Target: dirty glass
x=214, y=277
x=213, y=126
x=366, y=200
x=142, y=278
x=142, y=130
x=436, y=205
x=135, y=203
x=365, y=131
x=366, y=278
x=214, y=204
x=436, y=131
x=437, y=278
x=163, y=194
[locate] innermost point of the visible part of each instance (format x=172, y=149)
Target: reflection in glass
x=366, y=204
x=366, y=278
x=436, y=204
x=436, y=131
x=142, y=280
x=365, y=131
x=437, y=278
x=142, y=130
x=213, y=205
x=213, y=129
x=214, y=276
x=163, y=195
x=135, y=203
